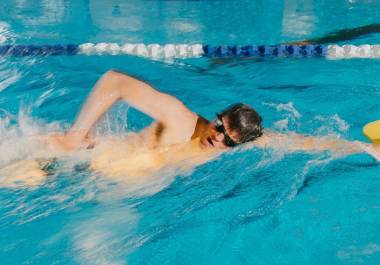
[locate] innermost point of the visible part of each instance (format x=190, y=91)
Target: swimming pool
x=246, y=207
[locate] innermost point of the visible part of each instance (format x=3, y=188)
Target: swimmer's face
x=218, y=135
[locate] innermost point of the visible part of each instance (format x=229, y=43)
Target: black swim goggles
x=219, y=127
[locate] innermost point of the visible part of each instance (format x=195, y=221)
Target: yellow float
x=372, y=131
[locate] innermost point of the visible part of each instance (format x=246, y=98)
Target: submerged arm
x=337, y=145
x=299, y=142
x=310, y=143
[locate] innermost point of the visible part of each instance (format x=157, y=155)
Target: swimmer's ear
x=372, y=131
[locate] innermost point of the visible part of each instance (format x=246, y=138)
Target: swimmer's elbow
x=127, y=86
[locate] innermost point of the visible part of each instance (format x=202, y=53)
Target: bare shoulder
x=161, y=133
x=179, y=130
x=179, y=111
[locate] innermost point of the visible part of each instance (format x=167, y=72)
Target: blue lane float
x=264, y=50
x=42, y=50
x=182, y=51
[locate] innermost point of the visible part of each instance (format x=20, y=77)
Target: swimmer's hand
x=60, y=142
x=372, y=149
x=66, y=142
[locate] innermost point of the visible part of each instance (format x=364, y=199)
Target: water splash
x=300, y=178
x=331, y=125
x=290, y=113
x=18, y=136
x=114, y=122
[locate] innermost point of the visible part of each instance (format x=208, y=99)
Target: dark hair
x=244, y=120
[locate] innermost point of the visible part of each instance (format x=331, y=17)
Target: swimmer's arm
x=299, y=142
x=336, y=145
x=318, y=144
x=115, y=86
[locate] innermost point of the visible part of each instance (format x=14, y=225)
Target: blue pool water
x=246, y=207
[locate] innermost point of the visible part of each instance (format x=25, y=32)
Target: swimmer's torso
x=145, y=153
x=122, y=159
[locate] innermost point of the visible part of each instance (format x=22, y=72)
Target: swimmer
x=175, y=124
x=178, y=138
x=177, y=135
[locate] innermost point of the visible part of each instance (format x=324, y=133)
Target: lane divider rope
x=183, y=51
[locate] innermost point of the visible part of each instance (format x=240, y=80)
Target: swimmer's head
x=235, y=125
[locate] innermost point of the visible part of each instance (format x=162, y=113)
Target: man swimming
x=176, y=124
x=177, y=139
x=178, y=134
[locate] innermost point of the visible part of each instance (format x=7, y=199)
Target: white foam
x=21, y=149
x=290, y=113
x=15, y=141
x=332, y=125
